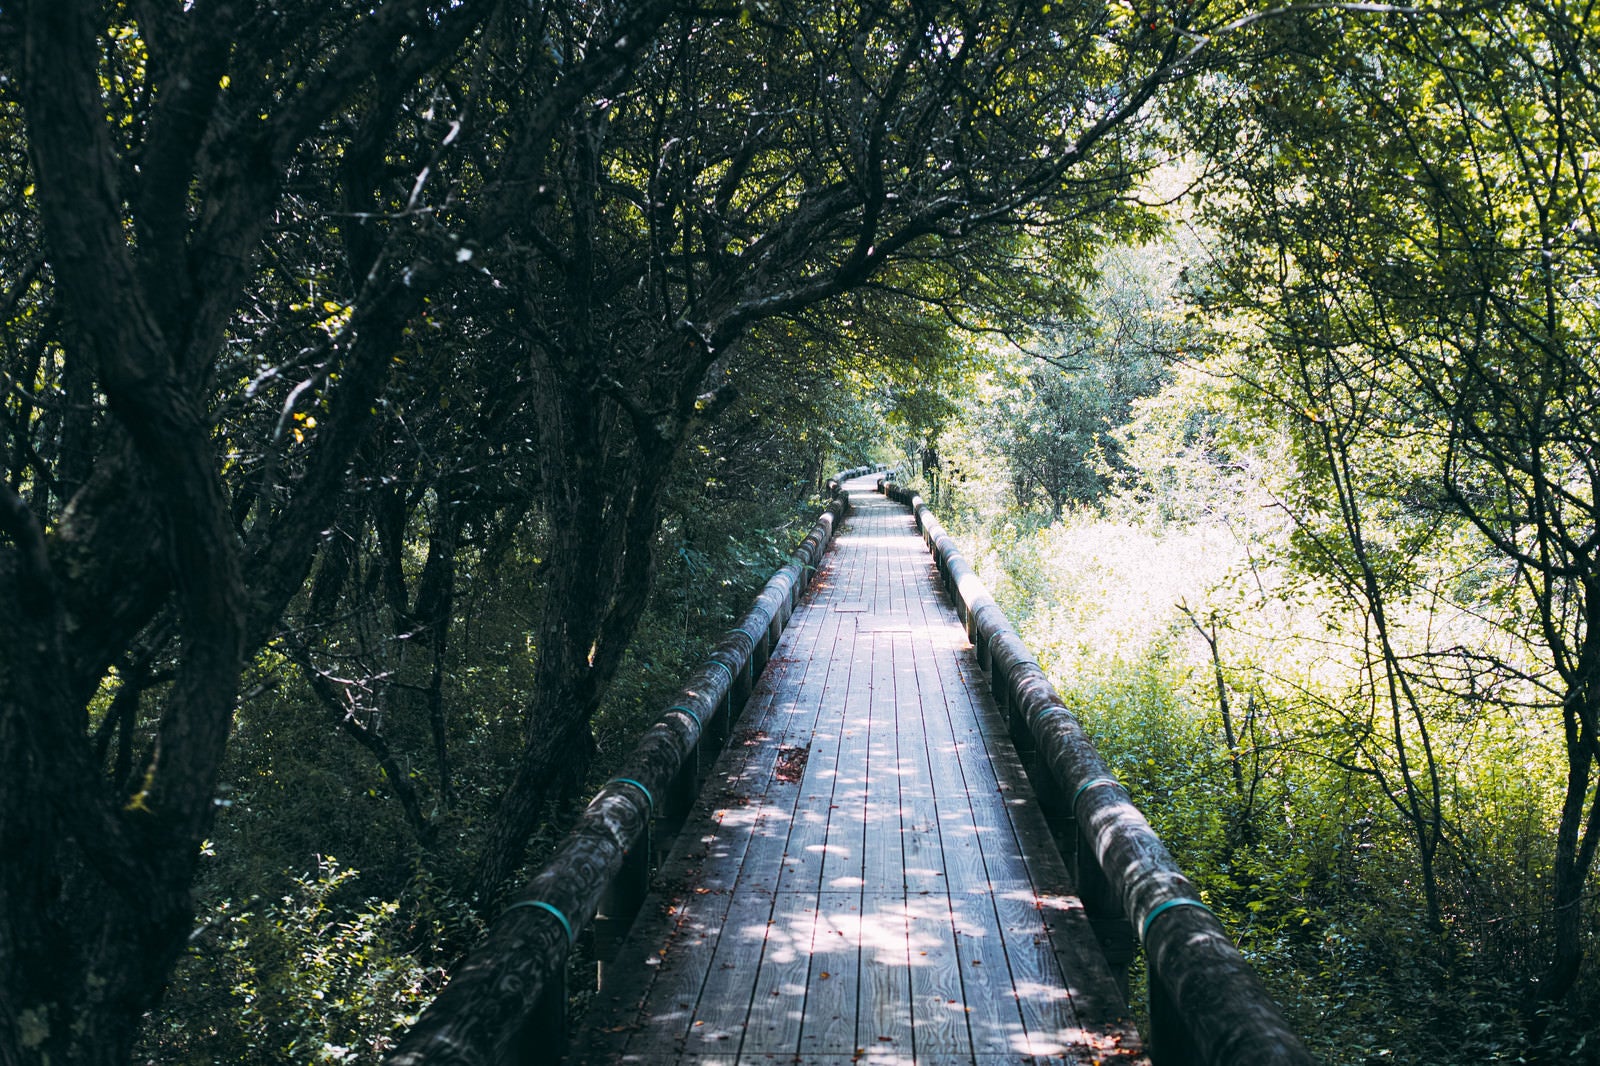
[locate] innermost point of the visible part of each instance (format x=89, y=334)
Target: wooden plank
x=677, y=973
x=806, y=843
x=938, y=997
x=987, y=796
x=960, y=843
x=1096, y=999
x=779, y=1003
x=730, y=981
x=788, y=751
x=883, y=860
x=884, y=1011
x=834, y=977
x=924, y=857
x=842, y=868
x=973, y=829
x=1042, y=994
x=993, y=1014
x=653, y=1058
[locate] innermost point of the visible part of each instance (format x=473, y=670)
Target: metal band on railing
x=543, y=906
x=1155, y=912
x=1017, y=663
x=690, y=711
x=1094, y=782
x=725, y=667
x=649, y=799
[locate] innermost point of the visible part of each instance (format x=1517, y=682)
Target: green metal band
x=1144, y=930
x=1093, y=782
x=649, y=799
x=543, y=906
x=690, y=711
x=724, y=667
x=1014, y=665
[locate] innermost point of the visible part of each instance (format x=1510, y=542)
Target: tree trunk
x=569, y=682
x=601, y=482
x=1576, y=837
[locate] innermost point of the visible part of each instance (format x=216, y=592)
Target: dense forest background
x=398, y=395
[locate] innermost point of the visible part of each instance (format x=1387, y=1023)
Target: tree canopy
x=428, y=373
x=315, y=310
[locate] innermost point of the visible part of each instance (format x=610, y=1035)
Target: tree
x=238, y=222
x=1415, y=232
x=761, y=168
x=1056, y=429
x=161, y=146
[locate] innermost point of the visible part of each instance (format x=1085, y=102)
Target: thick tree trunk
x=1575, y=846
x=581, y=611
x=601, y=483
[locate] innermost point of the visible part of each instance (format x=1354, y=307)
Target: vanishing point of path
x=867, y=877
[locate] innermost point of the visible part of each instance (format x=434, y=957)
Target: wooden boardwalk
x=867, y=877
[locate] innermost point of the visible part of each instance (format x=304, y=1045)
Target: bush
x=316, y=976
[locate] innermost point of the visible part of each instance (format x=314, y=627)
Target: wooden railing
x=507, y=1002
x=1206, y=1006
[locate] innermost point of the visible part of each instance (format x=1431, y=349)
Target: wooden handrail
x=1207, y=1005
x=506, y=1003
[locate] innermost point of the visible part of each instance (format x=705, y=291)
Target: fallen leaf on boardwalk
x=791, y=763
x=977, y=962
x=826, y=975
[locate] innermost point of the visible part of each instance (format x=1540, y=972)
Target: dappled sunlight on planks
x=868, y=882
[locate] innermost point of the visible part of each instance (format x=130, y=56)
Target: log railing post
x=1170, y=1043
x=624, y=896
x=544, y=1036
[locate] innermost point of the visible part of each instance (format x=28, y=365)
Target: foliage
x=1191, y=623
x=1409, y=241
x=1054, y=411
x=353, y=353
x=398, y=394
x=1308, y=864
x=313, y=976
